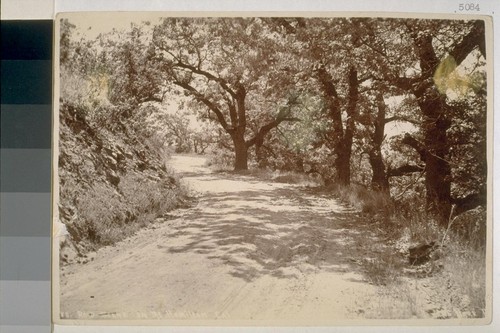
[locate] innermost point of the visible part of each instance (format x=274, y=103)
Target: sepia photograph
x=272, y=169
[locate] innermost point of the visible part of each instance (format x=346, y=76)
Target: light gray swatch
x=25, y=303
x=25, y=329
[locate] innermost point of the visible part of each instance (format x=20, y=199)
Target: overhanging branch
x=468, y=202
x=404, y=170
x=415, y=144
x=400, y=118
x=475, y=38
x=223, y=83
x=259, y=137
x=200, y=97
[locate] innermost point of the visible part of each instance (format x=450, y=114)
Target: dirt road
x=246, y=250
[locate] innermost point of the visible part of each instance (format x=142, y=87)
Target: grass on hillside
x=451, y=285
x=107, y=215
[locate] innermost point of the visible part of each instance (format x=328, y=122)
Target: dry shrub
x=466, y=272
x=456, y=274
x=464, y=262
x=100, y=210
x=220, y=160
x=107, y=215
x=292, y=177
x=421, y=227
x=470, y=227
x=460, y=281
x=365, y=200
x=384, y=269
x=144, y=195
x=286, y=177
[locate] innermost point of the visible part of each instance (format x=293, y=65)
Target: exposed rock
x=421, y=253
x=94, y=159
x=113, y=178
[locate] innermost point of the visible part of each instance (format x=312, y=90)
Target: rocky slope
x=112, y=178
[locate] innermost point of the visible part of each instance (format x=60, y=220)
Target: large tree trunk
x=380, y=181
x=345, y=148
x=343, y=165
x=437, y=167
x=240, y=150
x=435, y=149
x=341, y=139
x=436, y=123
x=434, y=153
x=379, y=176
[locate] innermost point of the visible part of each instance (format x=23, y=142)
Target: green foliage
x=65, y=40
x=87, y=94
x=135, y=76
x=145, y=195
x=100, y=223
x=172, y=127
x=299, y=136
x=448, y=78
x=111, y=183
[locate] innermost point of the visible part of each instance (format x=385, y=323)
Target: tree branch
x=151, y=99
x=401, y=118
x=475, y=38
x=468, y=202
x=405, y=83
x=223, y=83
x=415, y=144
x=259, y=137
x=200, y=97
x=404, y=170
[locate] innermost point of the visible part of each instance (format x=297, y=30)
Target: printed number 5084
x=468, y=7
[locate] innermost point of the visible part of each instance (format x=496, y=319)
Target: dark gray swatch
x=25, y=214
x=25, y=170
x=26, y=82
x=26, y=39
x=26, y=126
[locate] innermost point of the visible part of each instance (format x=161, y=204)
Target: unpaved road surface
x=246, y=250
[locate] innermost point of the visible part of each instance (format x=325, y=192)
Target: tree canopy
x=309, y=94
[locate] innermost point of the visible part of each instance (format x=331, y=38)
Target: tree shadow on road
x=279, y=232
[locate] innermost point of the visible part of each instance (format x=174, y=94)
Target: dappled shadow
x=258, y=228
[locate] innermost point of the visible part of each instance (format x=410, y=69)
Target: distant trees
x=222, y=63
